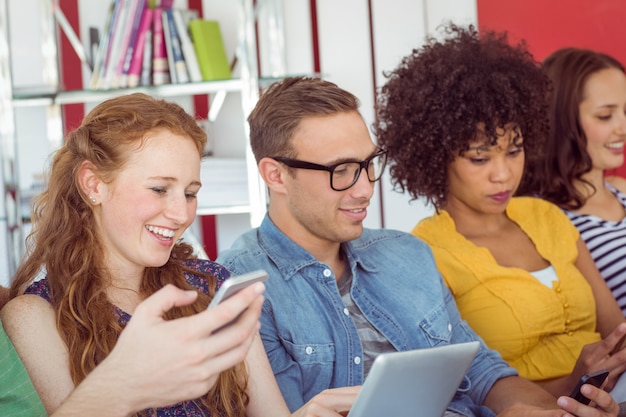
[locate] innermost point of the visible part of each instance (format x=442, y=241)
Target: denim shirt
x=311, y=341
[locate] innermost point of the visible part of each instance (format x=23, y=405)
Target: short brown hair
x=284, y=104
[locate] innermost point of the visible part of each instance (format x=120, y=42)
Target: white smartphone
x=237, y=283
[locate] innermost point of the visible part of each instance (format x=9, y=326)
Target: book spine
x=110, y=79
x=160, y=68
x=132, y=41
x=137, y=60
x=210, y=51
x=94, y=41
x=189, y=53
x=146, y=68
x=167, y=40
x=180, y=66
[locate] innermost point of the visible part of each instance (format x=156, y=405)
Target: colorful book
x=189, y=53
x=210, y=50
x=180, y=65
x=116, y=45
x=167, y=41
x=175, y=59
x=132, y=42
x=160, y=68
x=133, y=75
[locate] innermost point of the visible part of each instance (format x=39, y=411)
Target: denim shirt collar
x=290, y=258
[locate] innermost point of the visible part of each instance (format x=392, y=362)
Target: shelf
x=44, y=96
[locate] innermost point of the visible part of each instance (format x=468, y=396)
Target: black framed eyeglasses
x=344, y=174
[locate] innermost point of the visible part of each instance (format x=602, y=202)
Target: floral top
x=190, y=408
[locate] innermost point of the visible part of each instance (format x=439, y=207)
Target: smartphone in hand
x=235, y=284
x=595, y=378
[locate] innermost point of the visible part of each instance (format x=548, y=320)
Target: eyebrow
x=480, y=148
x=487, y=147
x=345, y=160
x=173, y=179
x=607, y=106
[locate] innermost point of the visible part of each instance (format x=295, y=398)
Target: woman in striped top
x=588, y=130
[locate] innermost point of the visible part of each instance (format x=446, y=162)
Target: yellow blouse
x=539, y=330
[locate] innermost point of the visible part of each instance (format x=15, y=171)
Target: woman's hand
x=606, y=354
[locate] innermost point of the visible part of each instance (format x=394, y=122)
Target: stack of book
x=154, y=45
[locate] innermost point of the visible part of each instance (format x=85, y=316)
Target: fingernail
x=259, y=287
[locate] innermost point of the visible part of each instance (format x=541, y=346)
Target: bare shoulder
x=28, y=319
x=26, y=312
x=30, y=323
x=617, y=182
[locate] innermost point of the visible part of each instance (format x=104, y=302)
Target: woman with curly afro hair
x=461, y=117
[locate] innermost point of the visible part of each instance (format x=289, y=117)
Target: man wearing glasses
x=338, y=294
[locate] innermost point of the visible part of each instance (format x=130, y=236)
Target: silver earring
x=92, y=199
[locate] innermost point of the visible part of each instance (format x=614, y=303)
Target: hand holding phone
x=596, y=379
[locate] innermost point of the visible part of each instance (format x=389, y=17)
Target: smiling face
x=484, y=178
x=311, y=212
x=602, y=115
x=150, y=203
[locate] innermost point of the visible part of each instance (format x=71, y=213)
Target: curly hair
x=63, y=241
x=565, y=158
x=430, y=107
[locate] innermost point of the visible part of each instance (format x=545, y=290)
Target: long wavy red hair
x=63, y=242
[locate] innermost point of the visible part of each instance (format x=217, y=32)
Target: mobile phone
x=595, y=378
x=235, y=284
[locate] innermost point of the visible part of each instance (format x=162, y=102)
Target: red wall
x=551, y=24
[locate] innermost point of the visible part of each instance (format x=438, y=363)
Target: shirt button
x=346, y=312
x=357, y=360
x=568, y=321
x=570, y=333
x=308, y=350
x=565, y=305
x=449, y=327
x=327, y=273
x=558, y=289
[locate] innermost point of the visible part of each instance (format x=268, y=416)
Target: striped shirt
x=606, y=240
